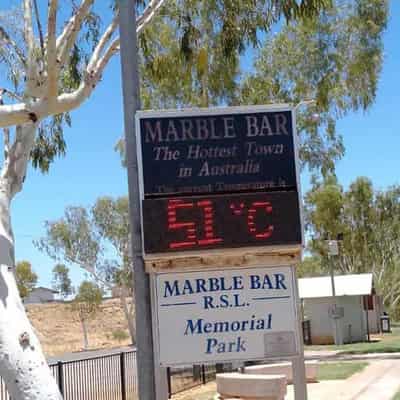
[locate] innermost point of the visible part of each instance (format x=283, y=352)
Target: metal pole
x=336, y=327
x=123, y=376
x=366, y=313
x=298, y=363
x=131, y=96
x=60, y=377
x=169, y=382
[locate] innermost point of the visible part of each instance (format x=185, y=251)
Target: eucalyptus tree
x=49, y=75
x=97, y=240
x=61, y=281
x=52, y=66
x=369, y=224
x=334, y=60
x=26, y=278
x=86, y=305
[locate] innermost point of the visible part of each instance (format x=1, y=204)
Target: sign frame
x=194, y=112
x=294, y=305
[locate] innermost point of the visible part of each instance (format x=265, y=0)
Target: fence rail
x=113, y=377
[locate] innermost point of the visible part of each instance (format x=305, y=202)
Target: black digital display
x=221, y=221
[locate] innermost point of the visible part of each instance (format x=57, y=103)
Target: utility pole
x=333, y=250
x=131, y=96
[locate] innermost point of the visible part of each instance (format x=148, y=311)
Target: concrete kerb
x=284, y=368
x=336, y=355
x=251, y=387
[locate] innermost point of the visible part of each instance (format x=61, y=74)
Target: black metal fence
x=184, y=378
x=113, y=377
x=110, y=377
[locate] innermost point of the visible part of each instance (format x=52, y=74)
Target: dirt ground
x=204, y=392
x=60, y=332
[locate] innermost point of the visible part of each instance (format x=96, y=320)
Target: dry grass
x=59, y=332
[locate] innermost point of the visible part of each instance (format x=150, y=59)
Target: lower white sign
x=225, y=315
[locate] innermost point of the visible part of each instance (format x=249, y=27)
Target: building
x=355, y=294
x=40, y=295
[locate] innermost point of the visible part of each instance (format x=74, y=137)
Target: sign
x=218, y=316
x=217, y=150
x=221, y=221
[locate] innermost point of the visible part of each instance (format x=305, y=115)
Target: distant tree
x=85, y=305
x=369, y=222
x=61, y=280
x=309, y=267
x=97, y=240
x=25, y=277
x=120, y=335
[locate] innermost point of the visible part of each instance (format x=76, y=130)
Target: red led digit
x=251, y=219
x=208, y=214
x=172, y=207
x=237, y=209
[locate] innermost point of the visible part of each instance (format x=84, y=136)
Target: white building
x=355, y=293
x=40, y=295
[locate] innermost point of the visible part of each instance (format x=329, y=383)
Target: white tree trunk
x=85, y=334
x=128, y=315
x=22, y=363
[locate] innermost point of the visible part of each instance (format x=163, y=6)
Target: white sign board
x=225, y=315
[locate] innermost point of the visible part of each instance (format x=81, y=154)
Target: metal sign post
x=298, y=365
x=222, y=230
x=131, y=96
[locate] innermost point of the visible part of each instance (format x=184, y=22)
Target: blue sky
x=92, y=168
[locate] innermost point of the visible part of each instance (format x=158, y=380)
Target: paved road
x=379, y=381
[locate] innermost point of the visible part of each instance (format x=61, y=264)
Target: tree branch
x=5, y=38
x=30, y=44
x=148, y=14
x=102, y=43
x=9, y=93
x=52, y=70
x=28, y=29
x=39, y=26
x=68, y=36
x=6, y=133
x=112, y=49
x=18, y=114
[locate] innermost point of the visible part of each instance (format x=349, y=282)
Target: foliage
x=25, y=277
x=369, y=221
x=397, y=396
x=61, y=280
x=86, y=304
x=88, y=300
x=309, y=267
x=191, y=52
x=334, y=59
x=96, y=239
x=120, y=335
x=184, y=55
